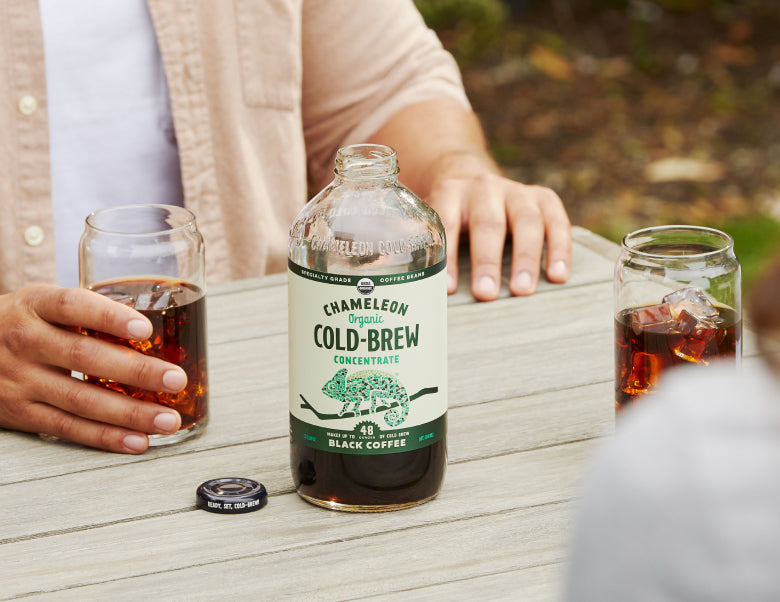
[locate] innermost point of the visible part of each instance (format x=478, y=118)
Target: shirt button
x=33, y=236
x=28, y=104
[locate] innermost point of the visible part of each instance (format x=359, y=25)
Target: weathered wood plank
x=531, y=393
x=348, y=568
x=291, y=528
x=249, y=384
x=533, y=584
x=249, y=377
x=133, y=490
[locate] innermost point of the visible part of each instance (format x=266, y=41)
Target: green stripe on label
x=367, y=437
x=376, y=279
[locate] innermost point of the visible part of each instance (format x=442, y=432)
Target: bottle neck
x=366, y=163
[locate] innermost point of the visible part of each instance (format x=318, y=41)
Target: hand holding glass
x=151, y=257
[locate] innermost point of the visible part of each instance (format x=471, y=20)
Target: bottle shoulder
x=367, y=210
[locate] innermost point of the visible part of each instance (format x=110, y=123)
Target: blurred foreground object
x=681, y=504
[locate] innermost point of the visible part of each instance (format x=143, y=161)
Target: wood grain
x=531, y=396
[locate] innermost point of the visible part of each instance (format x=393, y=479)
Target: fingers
x=84, y=413
x=87, y=309
x=558, y=228
x=491, y=204
x=64, y=425
x=102, y=405
x=102, y=359
x=99, y=435
x=536, y=213
x=39, y=348
x=487, y=233
x=36, y=337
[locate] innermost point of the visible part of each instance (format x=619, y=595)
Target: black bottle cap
x=231, y=495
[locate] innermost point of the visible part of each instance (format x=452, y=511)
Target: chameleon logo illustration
x=369, y=385
x=383, y=390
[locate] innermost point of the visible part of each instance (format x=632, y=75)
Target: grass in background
x=756, y=242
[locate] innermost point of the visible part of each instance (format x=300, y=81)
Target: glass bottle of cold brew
x=368, y=348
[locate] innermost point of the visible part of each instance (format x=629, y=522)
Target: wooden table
x=531, y=393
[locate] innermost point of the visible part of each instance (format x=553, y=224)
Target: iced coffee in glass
x=151, y=258
x=677, y=302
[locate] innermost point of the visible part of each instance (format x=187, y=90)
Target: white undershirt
x=110, y=122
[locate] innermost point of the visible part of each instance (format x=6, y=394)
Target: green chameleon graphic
x=368, y=385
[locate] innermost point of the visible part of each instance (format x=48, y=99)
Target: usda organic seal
x=365, y=286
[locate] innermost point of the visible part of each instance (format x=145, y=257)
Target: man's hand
x=443, y=158
x=487, y=206
x=39, y=348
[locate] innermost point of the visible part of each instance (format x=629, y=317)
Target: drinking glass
x=151, y=257
x=677, y=293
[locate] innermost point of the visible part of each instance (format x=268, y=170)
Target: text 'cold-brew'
x=368, y=349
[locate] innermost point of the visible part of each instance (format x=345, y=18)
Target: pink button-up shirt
x=263, y=93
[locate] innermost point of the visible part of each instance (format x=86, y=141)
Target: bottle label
x=368, y=360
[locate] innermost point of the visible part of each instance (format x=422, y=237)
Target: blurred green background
x=635, y=112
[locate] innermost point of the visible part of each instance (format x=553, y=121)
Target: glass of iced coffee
x=151, y=257
x=677, y=302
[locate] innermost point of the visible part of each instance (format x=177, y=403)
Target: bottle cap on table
x=231, y=495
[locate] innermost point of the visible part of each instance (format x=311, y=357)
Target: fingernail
x=523, y=282
x=485, y=286
x=138, y=329
x=175, y=380
x=136, y=443
x=558, y=271
x=167, y=422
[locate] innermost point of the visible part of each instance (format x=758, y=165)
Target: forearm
x=436, y=139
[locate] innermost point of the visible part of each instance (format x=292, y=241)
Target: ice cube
x=696, y=335
x=642, y=373
x=692, y=300
x=162, y=300
x=654, y=318
x=115, y=295
x=122, y=298
x=144, y=301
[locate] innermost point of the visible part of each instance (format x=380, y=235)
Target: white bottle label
x=368, y=360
